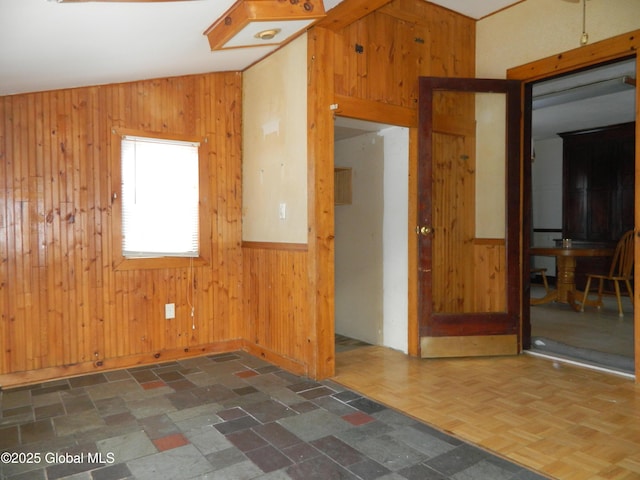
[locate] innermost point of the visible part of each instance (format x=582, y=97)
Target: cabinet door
x=598, y=178
x=575, y=194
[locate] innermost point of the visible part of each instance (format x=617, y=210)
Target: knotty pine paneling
x=489, y=257
x=275, y=280
x=62, y=303
x=381, y=56
x=454, y=179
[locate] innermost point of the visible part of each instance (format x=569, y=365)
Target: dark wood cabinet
x=598, y=190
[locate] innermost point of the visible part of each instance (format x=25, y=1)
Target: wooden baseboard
x=17, y=379
x=292, y=365
x=295, y=247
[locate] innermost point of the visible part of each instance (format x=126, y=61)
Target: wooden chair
x=543, y=273
x=621, y=271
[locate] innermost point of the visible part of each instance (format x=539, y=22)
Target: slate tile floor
x=229, y=416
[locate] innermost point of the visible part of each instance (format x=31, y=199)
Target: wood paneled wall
x=380, y=57
x=275, y=292
x=64, y=308
x=490, y=292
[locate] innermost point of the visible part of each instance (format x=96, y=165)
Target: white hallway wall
x=372, y=239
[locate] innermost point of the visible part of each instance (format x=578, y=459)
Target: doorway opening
x=371, y=162
x=568, y=109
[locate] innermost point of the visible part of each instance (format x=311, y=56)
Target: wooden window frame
x=120, y=262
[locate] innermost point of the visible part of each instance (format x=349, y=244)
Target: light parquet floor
x=563, y=421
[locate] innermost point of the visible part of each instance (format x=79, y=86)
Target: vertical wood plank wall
x=275, y=303
x=461, y=285
x=64, y=309
x=453, y=221
x=490, y=292
x=400, y=42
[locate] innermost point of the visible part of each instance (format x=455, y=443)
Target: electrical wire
x=190, y=294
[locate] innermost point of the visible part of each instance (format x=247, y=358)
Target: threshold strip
x=580, y=364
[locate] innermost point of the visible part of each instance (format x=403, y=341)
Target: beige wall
x=274, y=147
x=490, y=165
x=536, y=29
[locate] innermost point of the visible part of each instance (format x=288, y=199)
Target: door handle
x=424, y=230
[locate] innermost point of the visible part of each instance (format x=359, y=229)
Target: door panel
x=468, y=247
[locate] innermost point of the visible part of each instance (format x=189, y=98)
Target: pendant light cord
x=585, y=36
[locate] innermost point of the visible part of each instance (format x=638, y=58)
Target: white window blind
x=159, y=198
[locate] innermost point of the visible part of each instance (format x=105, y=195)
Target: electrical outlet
x=169, y=310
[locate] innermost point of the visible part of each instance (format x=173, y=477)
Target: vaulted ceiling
x=46, y=45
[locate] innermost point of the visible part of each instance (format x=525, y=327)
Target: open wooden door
x=469, y=202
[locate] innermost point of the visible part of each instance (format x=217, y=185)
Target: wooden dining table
x=565, y=291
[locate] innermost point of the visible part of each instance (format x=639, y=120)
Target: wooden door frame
x=371, y=111
x=615, y=48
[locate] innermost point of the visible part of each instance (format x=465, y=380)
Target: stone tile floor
x=229, y=416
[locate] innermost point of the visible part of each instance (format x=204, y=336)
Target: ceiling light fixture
x=268, y=34
x=250, y=23
x=583, y=92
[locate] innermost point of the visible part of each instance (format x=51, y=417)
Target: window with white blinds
x=160, y=198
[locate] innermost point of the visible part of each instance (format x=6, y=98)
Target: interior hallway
x=561, y=420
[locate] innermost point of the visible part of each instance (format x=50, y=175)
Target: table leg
x=566, y=281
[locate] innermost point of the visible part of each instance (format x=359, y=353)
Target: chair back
x=622, y=263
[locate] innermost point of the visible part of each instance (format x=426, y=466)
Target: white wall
x=358, y=240
x=274, y=144
x=546, y=184
x=396, y=238
x=371, y=244
x=546, y=197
